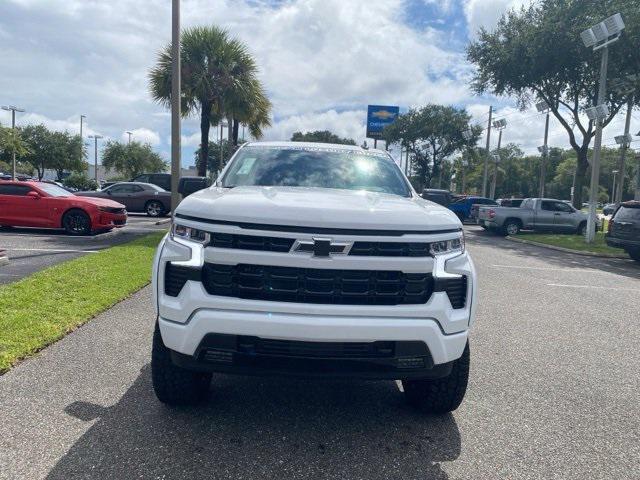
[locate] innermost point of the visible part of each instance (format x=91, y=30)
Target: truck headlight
x=448, y=246
x=189, y=233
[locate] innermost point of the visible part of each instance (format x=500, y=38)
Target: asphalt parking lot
x=554, y=393
x=32, y=249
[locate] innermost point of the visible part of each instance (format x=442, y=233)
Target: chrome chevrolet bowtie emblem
x=321, y=247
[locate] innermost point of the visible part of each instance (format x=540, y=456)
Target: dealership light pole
x=599, y=36
x=637, y=194
x=13, y=109
x=129, y=133
x=543, y=107
x=626, y=86
x=613, y=186
x=485, y=175
x=500, y=125
x=175, y=103
x=95, y=158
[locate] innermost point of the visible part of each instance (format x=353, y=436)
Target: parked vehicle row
x=624, y=229
x=538, y=214
x=45, y=205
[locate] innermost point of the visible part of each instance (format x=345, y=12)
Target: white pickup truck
x=313, y=260
x=541, y=214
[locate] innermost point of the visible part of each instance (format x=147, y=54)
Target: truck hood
x=318, y=207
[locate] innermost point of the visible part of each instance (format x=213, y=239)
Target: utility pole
x=82, y=117
x=129, y=133
x=541, y=107
x=614, y=184
x=624, y=144
x=95, y=158
x=175, y=103
x=13, y=109
x=599, y=36
x=499, y=125
x=485, y=176
x=637, y=194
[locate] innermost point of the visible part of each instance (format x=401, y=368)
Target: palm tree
x=218, y=76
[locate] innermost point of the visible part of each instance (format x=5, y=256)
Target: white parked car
x=313, y=260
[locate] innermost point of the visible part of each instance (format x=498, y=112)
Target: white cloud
x=143, y=135
x=486, y=13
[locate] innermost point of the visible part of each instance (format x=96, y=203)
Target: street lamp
x=500, y=125
x=613, y=187
x=13, y=109
x=95, y=159
x=599, y=37
x=129, y=133
x=542, y=107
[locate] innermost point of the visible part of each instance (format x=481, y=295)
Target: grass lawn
x=574, y=242
x=43, y=307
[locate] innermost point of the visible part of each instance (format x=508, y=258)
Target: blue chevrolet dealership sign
x=378, y=117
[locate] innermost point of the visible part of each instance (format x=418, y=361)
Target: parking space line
x=56, y=250
x=522, y=267
x=592, y=286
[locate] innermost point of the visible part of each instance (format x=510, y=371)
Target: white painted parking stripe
x=592, y=286
x=551, y=269
x=61, y=250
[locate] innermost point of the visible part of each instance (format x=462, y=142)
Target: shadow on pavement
x=262, y=428
x=619, y=266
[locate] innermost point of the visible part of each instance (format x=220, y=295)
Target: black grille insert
x=251, y=242
x=306, y=285
x=390, y=249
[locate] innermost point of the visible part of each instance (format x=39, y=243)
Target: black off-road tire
x=174, y=385
x=76, y=222
x=441, y=395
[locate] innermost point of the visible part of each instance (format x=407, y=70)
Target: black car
x=624, y=229
x=162, y=180
x=189, y=185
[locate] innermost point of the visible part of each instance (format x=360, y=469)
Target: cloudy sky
x=322, y=62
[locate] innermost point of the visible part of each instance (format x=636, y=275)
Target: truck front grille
x=283, y=245
x=306, y=285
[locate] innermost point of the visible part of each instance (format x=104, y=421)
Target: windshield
x=315, y=167
x=54, y=190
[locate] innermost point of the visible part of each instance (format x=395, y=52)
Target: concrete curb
x=567, y=250
x=163, y=221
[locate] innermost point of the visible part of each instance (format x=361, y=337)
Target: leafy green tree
x=536, y=54
x=131, y=159
x=431, y=134
x=219, y=80
x=80, y=181
x=49, y=149
x=12, y=141
x=213, y=163
x=321, y=136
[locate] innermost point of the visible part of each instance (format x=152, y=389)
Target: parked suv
x=313, y=260
x=624, y=229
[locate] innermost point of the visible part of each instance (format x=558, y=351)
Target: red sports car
x=44, y=205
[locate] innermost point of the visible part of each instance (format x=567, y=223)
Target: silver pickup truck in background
x=540, y=214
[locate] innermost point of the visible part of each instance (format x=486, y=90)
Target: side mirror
x=33, y=194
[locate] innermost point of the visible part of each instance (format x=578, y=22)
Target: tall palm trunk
x=236, y=129
x=205, y=125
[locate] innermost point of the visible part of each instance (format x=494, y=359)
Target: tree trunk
x=236, y=130
x=205, y=125
x=581, y=171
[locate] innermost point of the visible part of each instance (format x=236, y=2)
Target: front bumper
x=111, y=220
x=624, y=243
x=187, y=319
